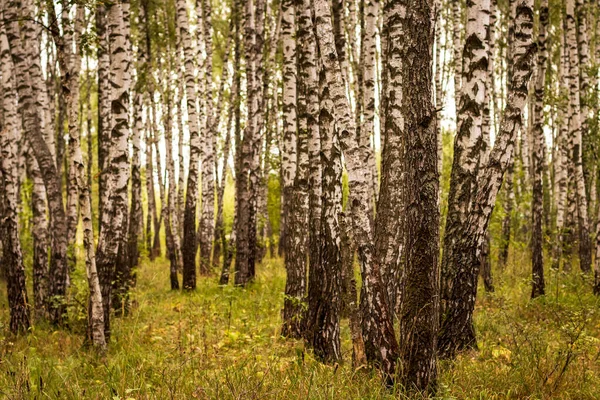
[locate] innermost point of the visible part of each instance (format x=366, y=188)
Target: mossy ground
x=224, y=343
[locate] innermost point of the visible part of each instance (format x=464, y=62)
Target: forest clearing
x=300, y=199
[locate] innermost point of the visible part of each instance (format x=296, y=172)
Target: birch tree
x=538, y=285
x=114, y=211
x=208, y=152
x=11, y=245
x=380, y=344
x=190, y=242
x=26, y=64
x=412, y=117
x=457, y=332
x=469, y=140
x=288, y=158
x=575, y=124
x=250, y=146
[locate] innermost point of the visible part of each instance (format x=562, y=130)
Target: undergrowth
x=224, y=343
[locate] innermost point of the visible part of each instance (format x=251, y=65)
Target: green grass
x=223, y=342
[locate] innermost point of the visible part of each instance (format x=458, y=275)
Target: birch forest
x=299, y=199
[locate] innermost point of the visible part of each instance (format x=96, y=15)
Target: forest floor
x=224, y=343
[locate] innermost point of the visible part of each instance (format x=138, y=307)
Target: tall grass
x=224, y=343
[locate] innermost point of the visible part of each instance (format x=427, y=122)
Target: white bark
x=11, y=245
x=377, y=318
x=114, y=212
x=575, y=118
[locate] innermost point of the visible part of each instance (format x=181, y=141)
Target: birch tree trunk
x=114, y=211
x=469, y=144
x=416, y=125
x=219, y=226
x=288, y=158
x=171, y=219
x=136, y=217
x=9, y=137
x=388, y=243
x=189, y=220
x=509, y=185
x=28, y=77
x=349, y=292
x=40, y=233
x=152, y=204
x=380, y=344
x=509, y=203
x=457, y=59
x=136, y=223
x=207, y=221
x=180, y=160
x=152, y=243
x=236, y=109
x=220, y=240
x=367, y=128
x=297, y=254
x=457, y=332
x=104, y=123
x=582, y=10
x=324, y=297
x=537, y=207
x=562, y=159
x=251, y=144
x=575, y=118
x=70, y=66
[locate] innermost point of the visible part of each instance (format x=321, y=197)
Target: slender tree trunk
x=207, y=220
x=220, y=241
x=582, y=10
x=388, y=243
x=172, y=221
x=9, y=137
x=367, y=128
x=104, y=123
x=135, y=214
x=114, y=211
x=325, y=204
x=537, y=207
x=251, y=143
x=70, y=65
x=485, y=264
x=509, y=203
x=89, y=128
x=380, y=344
x=267, y=105
x=297, y=252
x=457, y=331
x=575, y=131
x=189, y=221
x=288, y=162
x=232, y=243
x=457, y=59
x=152, y=216
x=40, y=233
x=180, y=159
x=349, y=291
